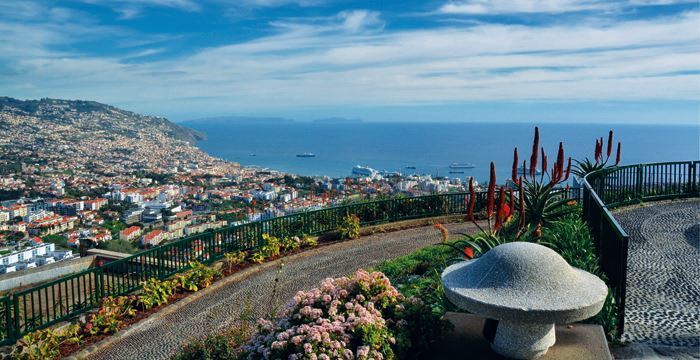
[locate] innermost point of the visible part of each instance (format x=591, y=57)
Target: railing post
x=640, y=182
x=16, y=330
x=99, y=291
x=692, y=175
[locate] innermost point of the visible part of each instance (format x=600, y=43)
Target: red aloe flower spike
x=514, y=172
x=568, y=170
x=469, y=252
x=610, y=142
x=521, y=205
x=524, y=170
x=511, y=201
x=472, y=198
x=490, y=195
x=500, y=209
x=535, y=148
x=617, y=157
x=544, y=162
x=597, y=151
x=555, y=174
x=560, y=160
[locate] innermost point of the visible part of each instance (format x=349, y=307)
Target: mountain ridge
x=80, y=143
x=32, y=107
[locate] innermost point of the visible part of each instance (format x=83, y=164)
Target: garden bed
x=415, y=276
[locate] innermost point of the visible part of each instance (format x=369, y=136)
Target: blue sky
x=436, y=60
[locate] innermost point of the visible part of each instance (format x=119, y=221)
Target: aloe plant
x=588, y=166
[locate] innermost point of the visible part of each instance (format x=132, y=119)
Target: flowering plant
x=544, y=201
x=345, y=318
x=588, y=166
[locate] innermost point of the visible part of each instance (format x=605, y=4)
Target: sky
x=634, y=61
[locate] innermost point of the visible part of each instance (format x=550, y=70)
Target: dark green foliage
x=114, y=226
x=59, y=240
x=119, y=246
x=544, y=203
x=572, y=239
x=417, y=276
x=585, y=167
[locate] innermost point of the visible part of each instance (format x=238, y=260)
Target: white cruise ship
x=364, y=171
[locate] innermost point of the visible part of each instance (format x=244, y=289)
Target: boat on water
x=363, y=171
x=411, y=167
x=462, y=166
x=306, y=155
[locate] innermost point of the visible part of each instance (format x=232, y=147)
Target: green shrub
x=417, y=277
x=572, y=239
x=232, y=259
x=350, y=227
x=290, y=243
x=256, y=257
x=309, y=241
x=110, y=316
x=199, y=276
x=155, y=292
x=271, y=246
x=45, y=344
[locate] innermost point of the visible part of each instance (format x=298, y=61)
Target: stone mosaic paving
x=663, y=276
x=159, y=336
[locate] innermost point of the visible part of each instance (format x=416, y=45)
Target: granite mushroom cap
x=525, y=282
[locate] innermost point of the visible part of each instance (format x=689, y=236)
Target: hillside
x=81, y=142
x=91, y=115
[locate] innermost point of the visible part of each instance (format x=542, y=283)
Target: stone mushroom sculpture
x=528, y=288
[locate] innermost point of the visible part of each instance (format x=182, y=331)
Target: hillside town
x=78, y=174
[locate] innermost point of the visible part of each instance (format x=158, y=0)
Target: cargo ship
x=306, y=155
x=462, y=166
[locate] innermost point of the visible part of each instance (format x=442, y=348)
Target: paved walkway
x=159, y=336
x=663, y=278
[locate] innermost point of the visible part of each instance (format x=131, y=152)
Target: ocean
x=431, y=147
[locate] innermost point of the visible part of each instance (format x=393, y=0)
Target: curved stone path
x=159, y=336
x=663, y=277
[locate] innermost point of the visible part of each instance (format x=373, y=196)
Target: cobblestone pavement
x=159, y=336
x=663, y=277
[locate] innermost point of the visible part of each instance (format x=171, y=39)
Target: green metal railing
x=618, y=186
x=47, y=304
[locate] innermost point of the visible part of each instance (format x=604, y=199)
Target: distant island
x=252, y=120
x=337, y=120
x=238, y=120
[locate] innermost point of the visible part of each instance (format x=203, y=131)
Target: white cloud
x=358, y=20
x=488, y=7
x=177, y=4
x=521, y=6
x=352, y=61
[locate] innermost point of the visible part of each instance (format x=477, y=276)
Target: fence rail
x=613, y=187
x=47, y=304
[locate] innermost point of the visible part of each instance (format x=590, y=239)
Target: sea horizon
x=429, y=147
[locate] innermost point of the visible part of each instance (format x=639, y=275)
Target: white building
x=32, y=257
